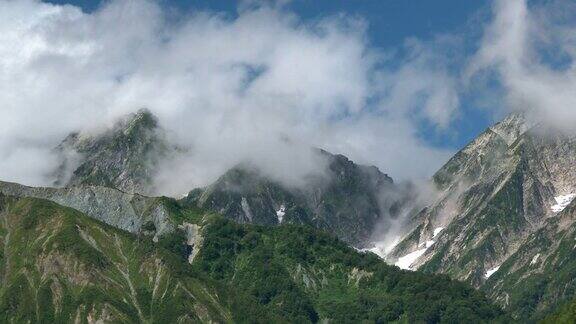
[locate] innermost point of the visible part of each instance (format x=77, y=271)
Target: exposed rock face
x=124, y=157
x=496, y=196
x=111, y=206
x=193, y=239
x=348, y=203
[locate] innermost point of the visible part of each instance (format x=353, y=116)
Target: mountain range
x=495, y=243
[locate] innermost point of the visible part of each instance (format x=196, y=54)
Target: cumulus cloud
x=531, y=50
x=230, y=89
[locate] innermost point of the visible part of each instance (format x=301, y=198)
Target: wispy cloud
x=531, y=49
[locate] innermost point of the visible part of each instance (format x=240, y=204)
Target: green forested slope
x=307, y=275
x=58, y=265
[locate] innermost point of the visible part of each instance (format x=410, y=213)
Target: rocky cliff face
x=349, y=202
x=499, y=194
x=129, y=212
x=124, y=157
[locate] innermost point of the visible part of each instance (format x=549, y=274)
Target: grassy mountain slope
x=58, y=265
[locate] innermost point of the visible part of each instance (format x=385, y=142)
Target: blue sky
x=390, y=23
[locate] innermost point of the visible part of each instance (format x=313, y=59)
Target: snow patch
x=280, y=214
x=561, y=202
x=437, y=231
x=406, y=261
x=491, y=272
x=535, y=259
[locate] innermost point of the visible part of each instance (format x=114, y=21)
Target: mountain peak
x=123, y=157
x=500, y=210
x=141, y=121
x=346, y=201
x=512, y=127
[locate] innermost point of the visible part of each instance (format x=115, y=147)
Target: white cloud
x=531, y=49
x=231, y=89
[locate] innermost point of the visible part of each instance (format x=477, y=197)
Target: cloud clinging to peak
x=230, y=89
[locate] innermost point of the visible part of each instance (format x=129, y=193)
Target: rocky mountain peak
x=349, y=200
x=504, y=205
x=138, y=123
x=124, y=157
x=512, y=127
